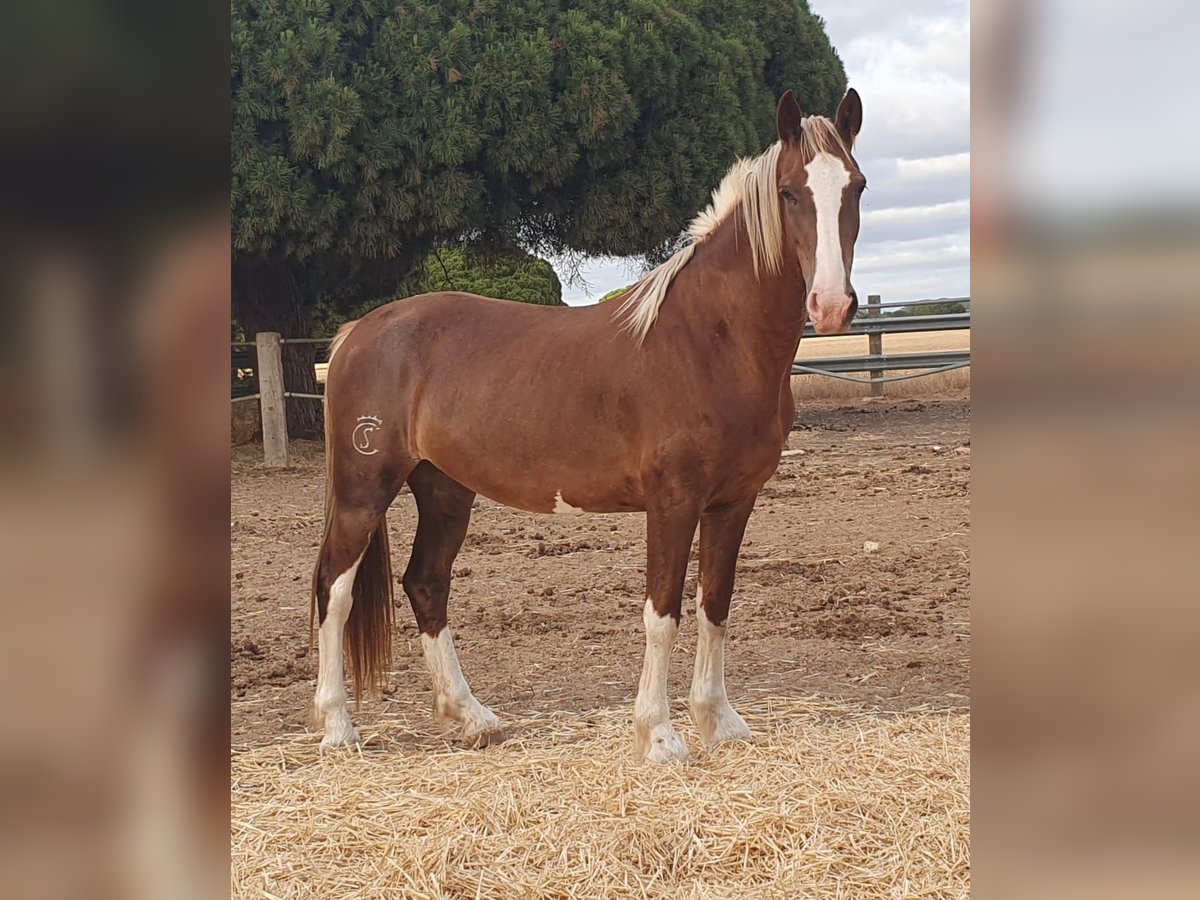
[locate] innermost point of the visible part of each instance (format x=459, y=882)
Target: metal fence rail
x=902, y=324
x=875, y=363
x=932, y=360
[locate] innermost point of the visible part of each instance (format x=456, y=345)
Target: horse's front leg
x=721, y=531
x=670, y=526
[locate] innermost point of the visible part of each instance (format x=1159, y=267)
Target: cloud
x=915, y=89
x=949, y=251
x=600, y=274
x=917, y=269
x=920, y=284
x=900, y=222
x=915, y=182
x=911, y=63
x=954, y=165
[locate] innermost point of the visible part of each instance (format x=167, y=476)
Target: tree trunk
x=267, y=297
x=305, y=417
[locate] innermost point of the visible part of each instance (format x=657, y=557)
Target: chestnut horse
x=677, y=405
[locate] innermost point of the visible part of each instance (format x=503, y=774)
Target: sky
x=910, y=62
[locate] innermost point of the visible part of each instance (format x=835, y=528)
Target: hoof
x=471, y=724
x=733, y=730
x=665, y=747
x=488, y=738
x=720, y=725
x=482, y=729
x=340, y=739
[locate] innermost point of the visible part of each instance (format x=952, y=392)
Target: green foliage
x=521, y=277
x=365, y=133
x=932, y=308
x=516, y=276
x=616, y=292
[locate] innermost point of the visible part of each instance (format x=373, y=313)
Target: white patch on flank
x=562, y=508
x=654, y=738
x=715, y=719
x=453, y=701
x=330, y=702
x=827, y=177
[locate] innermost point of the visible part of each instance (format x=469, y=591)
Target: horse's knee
x=416, y=584
x=428, y=598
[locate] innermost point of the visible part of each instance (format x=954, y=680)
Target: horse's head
x=820, y=186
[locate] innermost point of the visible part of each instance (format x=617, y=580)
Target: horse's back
x=499, y=395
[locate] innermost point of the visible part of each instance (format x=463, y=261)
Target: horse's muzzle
x=832, y=313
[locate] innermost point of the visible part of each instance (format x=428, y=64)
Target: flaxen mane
x=750, y=184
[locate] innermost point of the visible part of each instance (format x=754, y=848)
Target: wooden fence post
x=874, y=345
x=270, y=389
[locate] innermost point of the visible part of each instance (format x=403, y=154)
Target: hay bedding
x=828, y=801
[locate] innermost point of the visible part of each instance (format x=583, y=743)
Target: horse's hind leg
x=348, y=538
x=444, y=511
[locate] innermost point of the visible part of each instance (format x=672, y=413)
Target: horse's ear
x=849, y=117
x=788, y=117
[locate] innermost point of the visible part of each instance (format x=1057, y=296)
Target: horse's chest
x=749, y=422
x=749, y=444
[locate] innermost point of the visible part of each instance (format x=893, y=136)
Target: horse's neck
x=763, y=316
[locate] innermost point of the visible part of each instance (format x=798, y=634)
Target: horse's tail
x=334, y=346
x=369, y=627
x=342, y=333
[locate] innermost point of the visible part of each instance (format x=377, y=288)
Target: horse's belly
x=541, y=500
x=550, y=495
x=563, y=483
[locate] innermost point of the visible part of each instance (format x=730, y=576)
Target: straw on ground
x=828, y=801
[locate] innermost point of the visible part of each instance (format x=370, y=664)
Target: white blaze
x=827, y=177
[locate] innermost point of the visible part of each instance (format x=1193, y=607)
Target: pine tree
x=366, y=133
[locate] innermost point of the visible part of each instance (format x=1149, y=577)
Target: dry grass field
x=955, y=383
x=830, y=801
x=849, y=655
x=856, y=783
x=856, y=344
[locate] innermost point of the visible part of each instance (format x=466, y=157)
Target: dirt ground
x=547, y=610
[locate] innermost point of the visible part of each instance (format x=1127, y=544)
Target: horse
x=678, y=405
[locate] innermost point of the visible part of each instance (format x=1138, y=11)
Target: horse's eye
x=787, y=195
